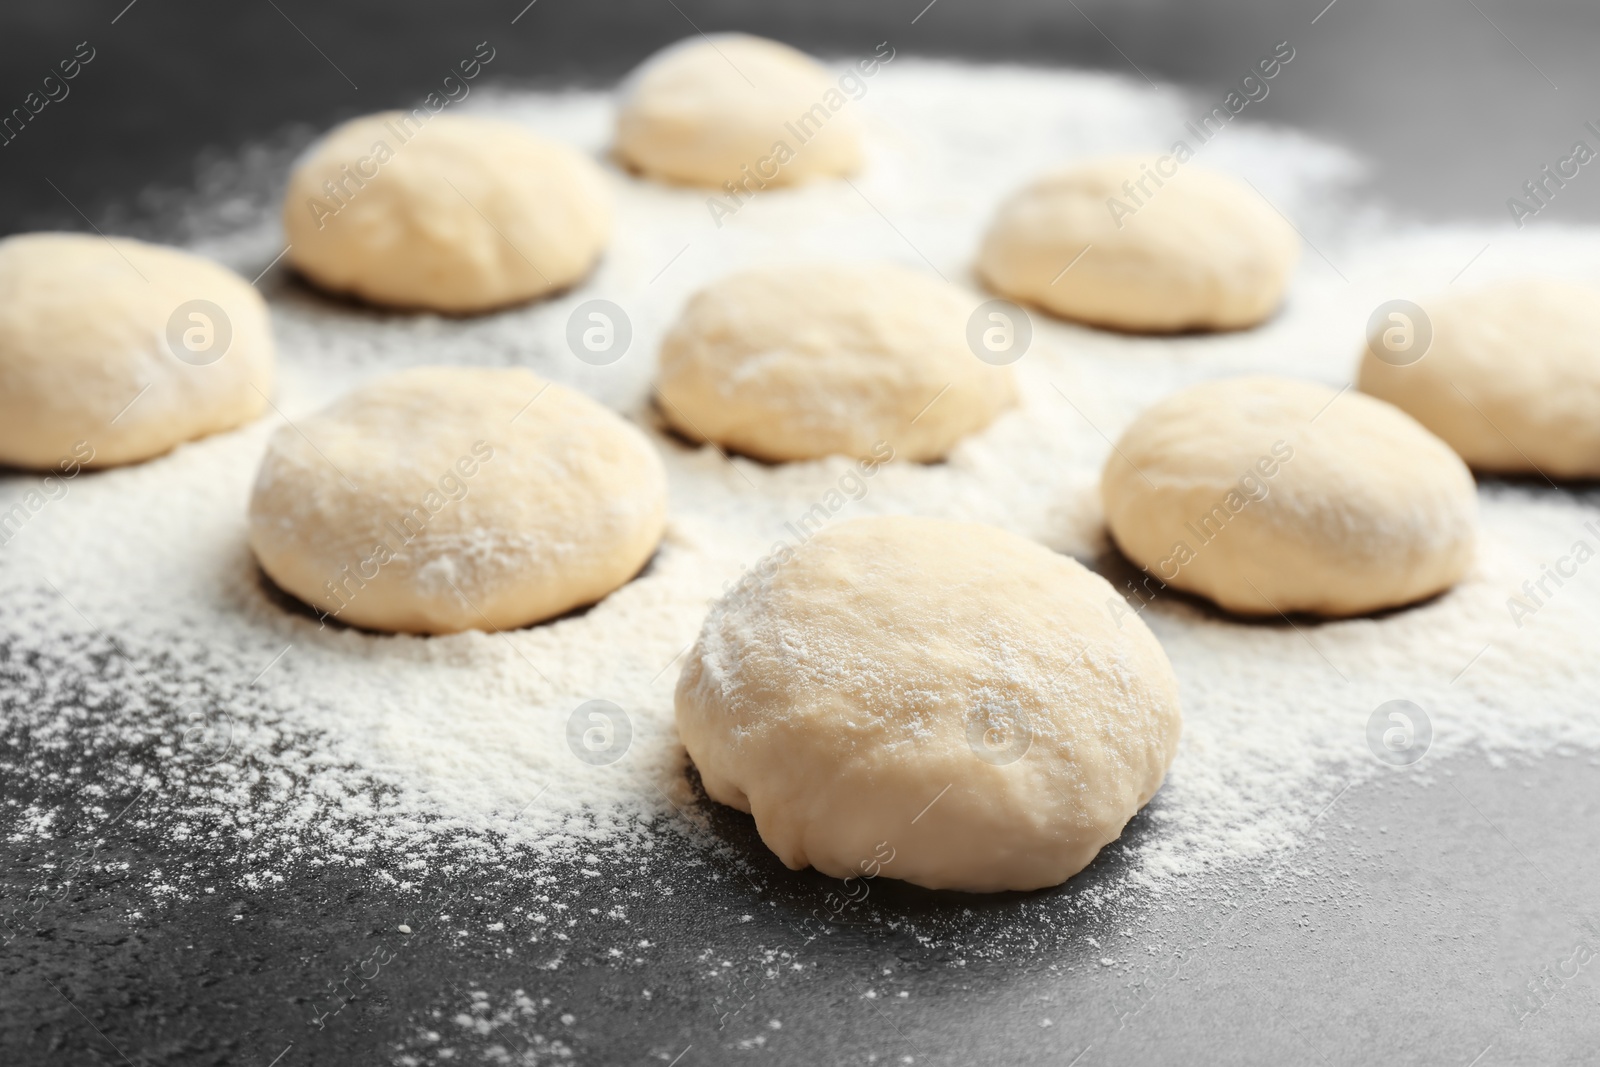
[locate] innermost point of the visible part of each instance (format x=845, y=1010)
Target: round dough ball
x=796, y=362
x=940, y=702
x=114, y=351
x=1201, y=251
x=456, y=214
x=711, y=110
x=1511, y=379
x=1269, y=495
x=442, y=499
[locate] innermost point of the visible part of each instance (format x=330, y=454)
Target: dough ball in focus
x=711, y=110
x=450, y=498
x=114, y=351
x=1510, y=378
x=1269, y=495
x=940, y=702
x=445, y=212
x=809, y=360
x=1153, y=246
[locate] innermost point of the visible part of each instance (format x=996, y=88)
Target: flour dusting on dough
x=359, y=743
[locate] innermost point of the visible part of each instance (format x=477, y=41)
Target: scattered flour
x=133, y=607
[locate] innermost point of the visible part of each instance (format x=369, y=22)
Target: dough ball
x=450, y=213
x=1198, y=251
x=810, y=360
x=1511, y=379
x=114, y=351
x=449, y=498
x=1269, y=495
x=940, y=702
x=732, y=108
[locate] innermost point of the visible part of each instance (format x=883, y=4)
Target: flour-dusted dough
x=940, y=702
x=448, y=498
x=455, y=214
x=113, y=350
x=1198, y=251
x=1269, y=495
x=808, y=360
x=1511, y=379
x=711, y=110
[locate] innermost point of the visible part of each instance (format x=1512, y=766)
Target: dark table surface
x=1455, y=103
x=1407, y=928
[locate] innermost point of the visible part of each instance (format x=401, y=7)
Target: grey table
x=1424, y=919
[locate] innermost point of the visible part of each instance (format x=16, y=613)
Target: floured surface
x=457, y=745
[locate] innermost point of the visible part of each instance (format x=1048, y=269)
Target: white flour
x=347, y=742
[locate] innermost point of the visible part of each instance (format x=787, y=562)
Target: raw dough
x=1511, y=379
x=453, y=498
x=456, y=213
x=113, y=350
x=723, y=109
x=940, y=702
x=795, y=362
x=1270, y=495
x=1201, y=251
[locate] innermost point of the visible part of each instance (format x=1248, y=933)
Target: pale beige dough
x=1511, y=379
x=817, y=359
x=940, y=702
x=1270, y=495
x=106, y=359
x=454, y=213
x=1201, y=251
x=711, y=110
x=450, y=498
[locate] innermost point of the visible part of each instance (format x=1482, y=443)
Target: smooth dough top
x=807, y=360
x=702, y=110
x=945, y=693
x=1201, y=251
x=1511, y=379
x=456, y=213
x=1272, y=495
x=451, y=498
x=91, y=330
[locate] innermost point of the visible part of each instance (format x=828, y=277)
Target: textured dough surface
x=459, y=214
x=85, y=361
x=1202, y=252
x=1511, y=380
x=700, y=111
x=1270, y=495
x=809, y=360
x=449, y=498
x=844, y=694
